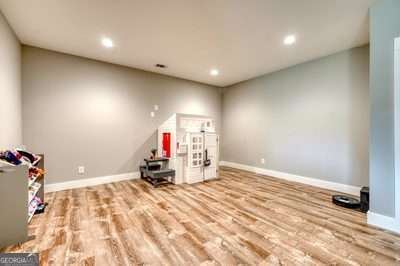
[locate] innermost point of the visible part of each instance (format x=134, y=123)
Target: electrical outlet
x=156, y=107
x=262, y=161
x=81, y=170
x=152, y=114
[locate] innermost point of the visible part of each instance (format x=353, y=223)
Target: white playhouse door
x=211, y=149
x=194, y=172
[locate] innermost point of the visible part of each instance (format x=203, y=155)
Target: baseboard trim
x=382, y=221
x=87, y=182
x=352, y=190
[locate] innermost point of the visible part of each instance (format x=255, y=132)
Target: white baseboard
x=87, y=182
x=352, y=190
x=382, y=221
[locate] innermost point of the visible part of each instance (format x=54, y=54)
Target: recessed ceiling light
x=107, y=42
x=289, y=40
x=214, y=72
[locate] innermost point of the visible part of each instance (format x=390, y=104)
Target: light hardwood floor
x=242, y=218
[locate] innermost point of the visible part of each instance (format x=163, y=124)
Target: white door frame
x=397, y=126
x=386, y=222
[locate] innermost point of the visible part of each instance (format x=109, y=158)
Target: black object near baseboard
x=364, y=199
x=353, y=203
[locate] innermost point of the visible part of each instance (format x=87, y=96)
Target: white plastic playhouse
x=191, y=144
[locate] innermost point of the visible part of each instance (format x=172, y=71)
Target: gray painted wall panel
x=310, y=120
x=83, y=112
x=385, y=27
x=10, y=87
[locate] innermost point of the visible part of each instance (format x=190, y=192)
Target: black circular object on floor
x=345, y=201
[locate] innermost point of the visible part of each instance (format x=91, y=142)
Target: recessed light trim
x=290, y=40
x=214, y=72
x=107, y=42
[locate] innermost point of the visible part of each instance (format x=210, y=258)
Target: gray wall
x=10, y=87
x=385, y=27
x=83, y=112
x=310, y=120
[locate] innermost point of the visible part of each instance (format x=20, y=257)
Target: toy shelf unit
x=191, y=144
x=17, y=193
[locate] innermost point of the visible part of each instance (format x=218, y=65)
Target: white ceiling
x=241, y=38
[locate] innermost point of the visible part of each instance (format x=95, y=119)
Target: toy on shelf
x=34, y=174
x=153, y=154
x=33, y=206
x=19, y=157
